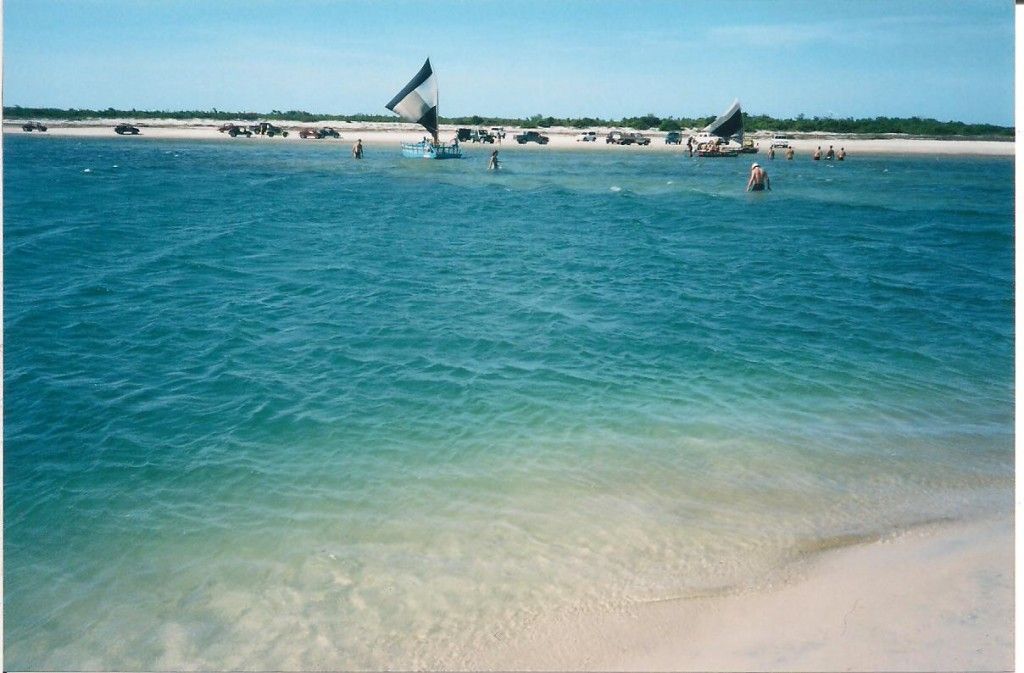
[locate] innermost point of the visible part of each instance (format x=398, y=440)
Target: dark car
x=234, y=130
x=674, y=138
x=618, y=138
x=33, y=126
x=640, y=139
x=268, y=129
x=532, y=137
x=481, y=136
x=318, y=134
x=463, y=134
x=126, y=130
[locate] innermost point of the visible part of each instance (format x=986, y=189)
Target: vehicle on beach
x=234, y=130
x=674, y=138
x=468, y=135
x=126, y=130
x=532, y=137
x=268, y=129
x=33, y=126
x=781, y=142
x=748, y=147
x=498, y=132
x=587, y=137
x=620, y=138
x=319, y=134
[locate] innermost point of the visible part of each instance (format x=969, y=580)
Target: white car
x=587, y=137
x=781, y=142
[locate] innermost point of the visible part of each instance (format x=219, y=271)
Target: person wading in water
x=759, y=181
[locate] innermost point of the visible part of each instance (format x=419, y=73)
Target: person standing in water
x=759, y=181
x=842, y=154
x=492, y=165
x=817, y=154
x=771, y=152
x=790, y=153
x=831, y=154
x=357, y=149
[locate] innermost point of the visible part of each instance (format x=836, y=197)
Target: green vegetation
x=876, y=126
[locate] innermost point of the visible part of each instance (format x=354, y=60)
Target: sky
x=945, y=59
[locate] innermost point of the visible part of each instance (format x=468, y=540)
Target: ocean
x=267, y=407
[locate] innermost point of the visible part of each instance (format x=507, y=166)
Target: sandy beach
x=935, y=598
x=379, y=135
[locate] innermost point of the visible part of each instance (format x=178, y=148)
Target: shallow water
x=270, y=408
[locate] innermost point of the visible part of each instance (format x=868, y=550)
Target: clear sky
x=947, y=59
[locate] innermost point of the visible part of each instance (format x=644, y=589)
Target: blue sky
x=859, y=58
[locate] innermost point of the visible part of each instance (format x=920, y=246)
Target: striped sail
x=729, y=123
x=417, y=102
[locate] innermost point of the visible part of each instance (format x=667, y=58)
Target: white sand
x=378, y=135
x=938, y=598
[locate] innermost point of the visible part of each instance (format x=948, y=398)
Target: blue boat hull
x=425, y=150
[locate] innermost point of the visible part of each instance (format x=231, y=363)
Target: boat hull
x=425, y=150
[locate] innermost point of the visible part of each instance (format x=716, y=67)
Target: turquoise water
x=270, y=408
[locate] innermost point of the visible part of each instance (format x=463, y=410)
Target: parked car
x=619, y=138
x=319, y=134
x=532, y=137
x=498, y=132
x=481, y=136
x=463, y=134
x=640, y=139
x=781, y=142
x=126, y=129
x=587, y=137
x=674, y=138
x=748, y=147
x=268, y=129
x=33, y=126
x=234, y=130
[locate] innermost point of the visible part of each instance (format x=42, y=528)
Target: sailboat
x=713, y=140
x=417, y=102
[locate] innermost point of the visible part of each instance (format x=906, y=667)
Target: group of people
x=830, y=155
x=758, y=181
x=789, y=153
x=357, y=153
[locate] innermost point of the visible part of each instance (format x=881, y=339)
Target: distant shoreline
x=377, y=135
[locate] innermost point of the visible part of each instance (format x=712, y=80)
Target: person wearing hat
x=758, y=179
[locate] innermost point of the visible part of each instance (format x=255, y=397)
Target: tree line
x=871, y=126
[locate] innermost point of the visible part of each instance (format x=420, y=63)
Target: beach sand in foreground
x=937, y=598
x=390, y=135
